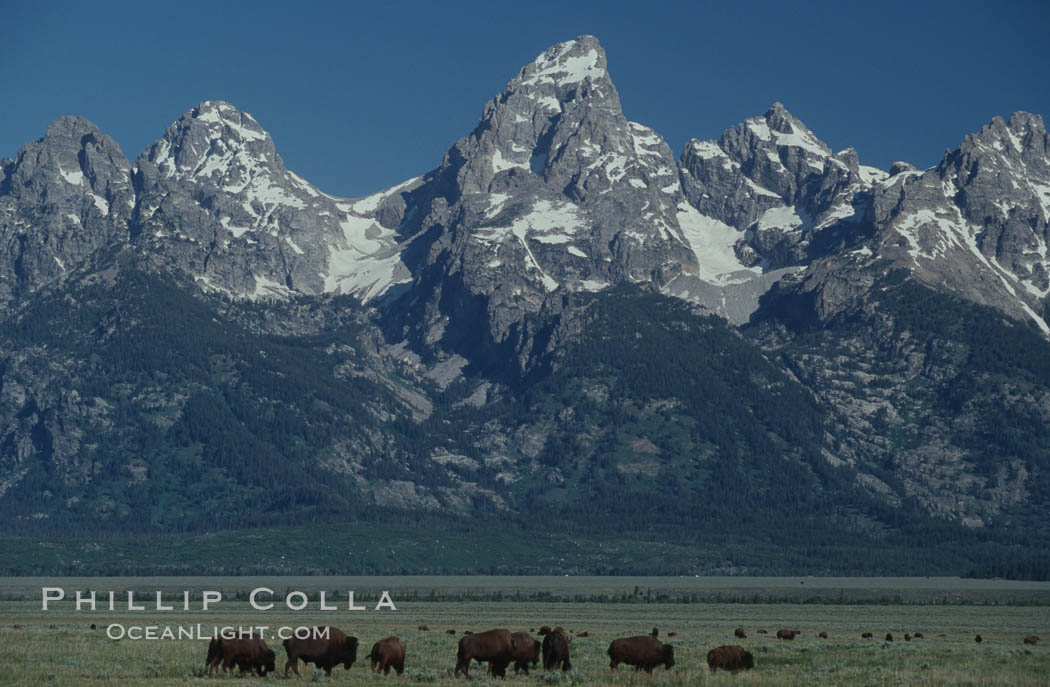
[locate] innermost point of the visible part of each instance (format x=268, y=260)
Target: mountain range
x=762, y=345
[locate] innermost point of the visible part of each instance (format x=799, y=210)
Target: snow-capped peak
x=566, y=63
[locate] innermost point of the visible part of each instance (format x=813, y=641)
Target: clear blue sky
x=359, y=97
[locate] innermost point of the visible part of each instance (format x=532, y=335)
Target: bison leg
x=499, y=667
x=292, y=663
x=464, y=666
x=399, y=667
x=613, y=663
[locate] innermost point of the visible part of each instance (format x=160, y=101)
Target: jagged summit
x=63, y=197
x=565, y=64
x=216, y=198
x=214, y=141
x=554, y=189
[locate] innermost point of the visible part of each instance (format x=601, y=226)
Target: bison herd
x=326, y=648
x=329, y=647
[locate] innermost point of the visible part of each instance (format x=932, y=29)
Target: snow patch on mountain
x=713, y=243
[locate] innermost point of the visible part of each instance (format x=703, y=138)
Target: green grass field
x=948, y=611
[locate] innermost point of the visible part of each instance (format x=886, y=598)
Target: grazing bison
x=555, y=649
x=978, y=639
x=523, y=651
x=18, y=626
x=53, y=627
x=450, y=632
x=386, y=654
x=584, y=634
x=246, y=652
x=1031, y=639
x=669, y=634
x=731, y=657
x=917, y=635
x=762, y=632
x=214, y=656
x=739, y=633
x=907, y=637
x=424, y=628
x=644, y=652
x=889, y=637
x=785, y=634
x=492, y=646
x=326, y=647
x=866, y=635
x=823, y=635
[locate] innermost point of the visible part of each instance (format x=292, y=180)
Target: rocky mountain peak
x=216, y=199
x=213, y=141
x=73, y=156
x=63, y=197
x=565, y=66
x=554, y=188
x=789, y=198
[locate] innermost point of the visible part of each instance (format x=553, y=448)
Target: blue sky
x=359, y=97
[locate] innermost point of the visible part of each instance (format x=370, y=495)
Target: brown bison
x=866, y=635
x=917, y=635
x=18, y=626
x=588, y=634
x=1031, y=639
x=739, y=633
x=644, y=652
x=492, y=646
x=53, y=627
x=656, y=632
x=246, y=652
x=386, y=654
x=889, y=637
x=326, y=647
x=450, y=632
x=731, y=657
x=978, y=639
x=823, y=635
x=424, y=628
x=555, y=649
x=523, y=651
x=669, y=634
x=762, y=632
x=786, y=634
x=907, y=637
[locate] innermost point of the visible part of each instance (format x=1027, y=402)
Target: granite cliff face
x=553, y=192
x=64, y=197
x=215, y=198
x=485, y=276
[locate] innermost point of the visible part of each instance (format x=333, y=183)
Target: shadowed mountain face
x=558, y=318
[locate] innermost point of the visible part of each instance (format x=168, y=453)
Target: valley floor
x=949, y=612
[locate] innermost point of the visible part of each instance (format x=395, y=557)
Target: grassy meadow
x=703, y=612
